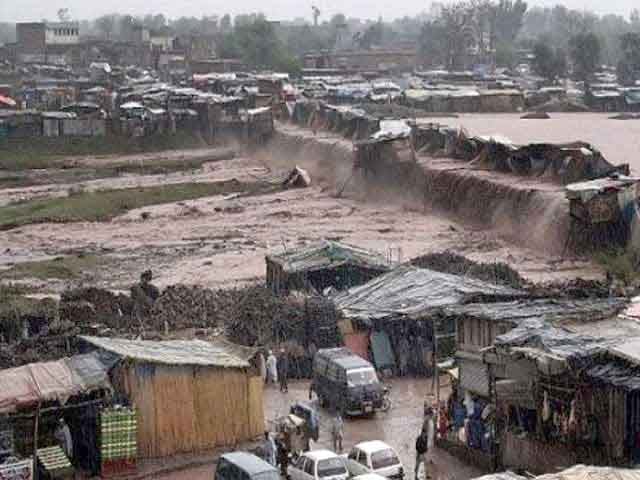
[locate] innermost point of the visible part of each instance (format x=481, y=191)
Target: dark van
x=345, y=381
x=244, y=466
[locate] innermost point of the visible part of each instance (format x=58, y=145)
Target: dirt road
x=398, y=427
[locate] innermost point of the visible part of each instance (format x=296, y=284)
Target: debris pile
x=184, y=306
x=449, y=262
x=259, y=317
x=93, y=305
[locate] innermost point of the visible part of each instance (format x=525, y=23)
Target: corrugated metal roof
x=175, y=352
x=327, y=254
x=413, y=292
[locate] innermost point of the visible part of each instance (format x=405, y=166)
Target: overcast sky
x=34, y=10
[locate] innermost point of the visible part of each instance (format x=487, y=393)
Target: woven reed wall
x=190, y=409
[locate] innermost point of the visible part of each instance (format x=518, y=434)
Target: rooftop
x=176, y=352
x=318, y=455
x=373, y=446
x=414, y=292
x=250, y=463
x=327, y=254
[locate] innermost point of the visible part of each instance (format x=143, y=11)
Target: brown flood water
x=618, y=140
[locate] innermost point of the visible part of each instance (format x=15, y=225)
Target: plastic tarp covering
x=583, y=472
x=91, y=371
x=613, y=373
x=49, y=381
x=358, y=343
x=328, y=254
x=382, y=352
x=547, y=309
x=474, y=376
x=414, y=292
x=553, y=348
x=392, y=129
x=172, y=352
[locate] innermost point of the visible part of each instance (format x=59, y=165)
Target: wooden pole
x=35, y=443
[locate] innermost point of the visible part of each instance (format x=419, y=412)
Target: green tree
x=549, y=63
x=629, y=65
x=507, y=19
x=585, y=51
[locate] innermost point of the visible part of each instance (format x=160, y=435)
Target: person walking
x=262, y=366
x=422, y=446
x=272, y=368
x=269, y=449
x=337, y=432
x=283, y=371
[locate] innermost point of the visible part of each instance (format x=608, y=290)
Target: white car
x=318, y=465
x=375, y=457
x=369, y=476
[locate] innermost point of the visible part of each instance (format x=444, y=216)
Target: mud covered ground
x=398, y=428
x=219, y=241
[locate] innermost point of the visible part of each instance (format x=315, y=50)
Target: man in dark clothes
x=283, y=371
x=422, y=446
x=283, y=457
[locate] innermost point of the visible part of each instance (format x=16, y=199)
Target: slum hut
x=388, y=152
x=20, y=123
x=401, y=311
x=501, y=101
x=603, y=211
x=468, y=414
x=549, y=411
x=190, y=395
x=322, y=265
x=53, y=123
x=35, y=397
x=260, y=126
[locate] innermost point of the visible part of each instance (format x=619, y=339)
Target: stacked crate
x=21, y=470
x=54, y=463
x=118, y=441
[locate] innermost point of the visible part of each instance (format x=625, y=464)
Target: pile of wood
x=258, y=317
x=91, y=305
x=185, y=306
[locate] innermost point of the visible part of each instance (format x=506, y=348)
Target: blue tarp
x=383, y=356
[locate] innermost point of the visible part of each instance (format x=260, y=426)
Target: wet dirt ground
x=398, y=427
x=221, y=241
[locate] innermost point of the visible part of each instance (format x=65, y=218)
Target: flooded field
x=618, y=140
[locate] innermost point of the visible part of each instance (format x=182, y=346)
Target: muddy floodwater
x=618, y=140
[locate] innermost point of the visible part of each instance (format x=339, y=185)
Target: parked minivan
x=244, y=466
x=347, y=382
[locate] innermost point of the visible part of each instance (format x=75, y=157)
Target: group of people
x=275, y=370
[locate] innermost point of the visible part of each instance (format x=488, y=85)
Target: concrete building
x=40, y=42
x=363, y=60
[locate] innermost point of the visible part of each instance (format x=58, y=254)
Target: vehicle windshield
x=331, y=467
x=362, y=377
x=384, y=459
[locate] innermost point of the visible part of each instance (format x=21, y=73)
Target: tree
x=225, y=24
x=507, y=19
x=629, y=65
x=549, y=63
x=106, y=25
x=585, y=50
